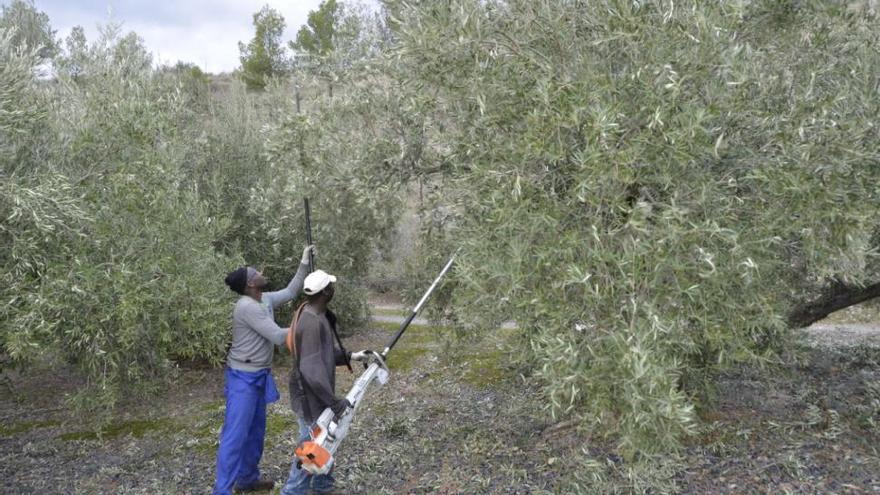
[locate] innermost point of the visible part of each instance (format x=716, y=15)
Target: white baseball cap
x=317, y=281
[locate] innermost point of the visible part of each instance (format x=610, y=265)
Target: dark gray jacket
x=313, y=375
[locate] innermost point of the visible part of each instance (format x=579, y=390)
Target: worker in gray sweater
x=249, y=383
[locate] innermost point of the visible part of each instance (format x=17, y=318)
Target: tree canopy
x=649, y=189
x=264, y=57
x=315, y=38
x=30, y=27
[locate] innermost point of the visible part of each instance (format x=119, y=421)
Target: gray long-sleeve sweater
x=254, y=331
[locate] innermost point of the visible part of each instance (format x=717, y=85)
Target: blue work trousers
x=244, y=428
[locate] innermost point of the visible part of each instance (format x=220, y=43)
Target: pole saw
x=315, y=455
x=312, y=268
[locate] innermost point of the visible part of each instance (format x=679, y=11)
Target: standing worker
x=313, y=375
x=249, y=383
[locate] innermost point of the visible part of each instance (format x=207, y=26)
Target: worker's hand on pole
x=340, y=406
x=361, y=355
x=306, y=250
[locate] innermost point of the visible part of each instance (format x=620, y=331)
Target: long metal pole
x=309, y=234
x=416, y=309
x=312, y=268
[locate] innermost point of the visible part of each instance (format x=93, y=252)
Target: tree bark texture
x=839, y=297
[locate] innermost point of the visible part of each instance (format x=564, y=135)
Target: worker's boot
x=261, y=485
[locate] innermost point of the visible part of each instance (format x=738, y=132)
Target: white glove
x=310, y=247
x=361, y=355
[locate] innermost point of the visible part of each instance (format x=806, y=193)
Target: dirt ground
x=465, y=424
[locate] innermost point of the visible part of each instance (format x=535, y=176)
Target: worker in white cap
x=313, y=374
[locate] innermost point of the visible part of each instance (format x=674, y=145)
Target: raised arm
x=294, y=287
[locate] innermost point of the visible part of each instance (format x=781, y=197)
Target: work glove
x=305, y=257
x=340, y=406
x=360, y=355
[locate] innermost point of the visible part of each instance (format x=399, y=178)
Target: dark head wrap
x=237, y=279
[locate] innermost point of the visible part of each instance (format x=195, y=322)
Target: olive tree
x=111, y=265
x=650, y=189
x=29, y=28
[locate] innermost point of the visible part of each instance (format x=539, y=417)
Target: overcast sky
x=204, y=32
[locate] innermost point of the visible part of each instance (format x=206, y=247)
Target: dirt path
x=410, y=437
x=839, y=335
x=467, y=425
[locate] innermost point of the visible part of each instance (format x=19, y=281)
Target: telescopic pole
x=312, y=268
x=416, y=309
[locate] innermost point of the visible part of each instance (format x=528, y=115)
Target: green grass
x=207, y=435
x=403, y=358
x=136, y=428
x=280, y=427
x=212, y=406
x=24, y=427
x=397, y=428
x=379, y=408
x=279, y=424
x=389, y=312
x=206, y=427
x=485, y=369
x=415, y=334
